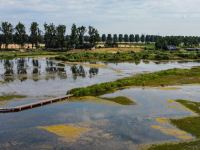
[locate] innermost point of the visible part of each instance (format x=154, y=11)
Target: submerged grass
x=11, y=96
x=171, y=76
x=120, y=100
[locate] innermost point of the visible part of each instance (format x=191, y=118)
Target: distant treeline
x=55, y=37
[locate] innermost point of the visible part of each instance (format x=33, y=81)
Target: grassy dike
x=188, y=124
x=161, y=78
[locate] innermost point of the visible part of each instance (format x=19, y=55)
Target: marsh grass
x=189, y=145
x=11, y=96
x=162, y=78
x=120, y=100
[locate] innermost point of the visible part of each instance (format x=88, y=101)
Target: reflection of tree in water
x=8, y=66
x=9, y=72
x=78, y=71
x=22, y=66
x=93, y=71
x=54, y=68
x=36, y=66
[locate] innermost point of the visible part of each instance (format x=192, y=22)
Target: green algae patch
x=189, y=145
x=70, y=134
x=120, y=100
x=11, y=96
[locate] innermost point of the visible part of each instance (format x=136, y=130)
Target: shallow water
x=91, y=122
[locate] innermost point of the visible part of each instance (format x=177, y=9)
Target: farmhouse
x=169, y=47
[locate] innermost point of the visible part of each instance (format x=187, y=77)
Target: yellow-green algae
x=103, y=101
x=70, y=134
x=11, y=96
x=79, y=132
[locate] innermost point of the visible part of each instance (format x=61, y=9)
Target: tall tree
x=147, y=38
x=109, y=37
x=60, y=35
x=98, y=38
x=93, y=33
x=137, y=38
x=81, y=31
x=120, y=38
x=131, y=38
x=103, y=38
x=115, y=38
x=7, y=30
x=67, y=38
x=87, y=38
x=1, y=40
x=73, y=37
x=50, y=35
x=142, y=38
x=126, y=38
x=34, y=34
x=20, y=34
x=151, y=38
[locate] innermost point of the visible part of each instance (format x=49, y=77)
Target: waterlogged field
x=127, y=118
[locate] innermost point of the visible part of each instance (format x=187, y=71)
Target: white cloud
x=113, y=16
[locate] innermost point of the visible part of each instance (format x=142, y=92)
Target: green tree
x=147, y=38
x=7, y=30
x=1, y=40
x=20, y=34
x=109, y=37
x=93, y=33
x=126, y=38
x=103, y=38
x=60, y=35
x=173, y=41
x=142, y=38
x=73, y=37
x=87, y=38
x=115, y=37
x=131, y=38
x=120, y=38
x=67, y=38
x=161, y=43
x=34, y=34
x=137, y=38
x=98, y=38
x=50, y=35
x=152, y=38
x=81, y=31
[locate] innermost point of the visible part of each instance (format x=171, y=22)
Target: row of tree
x=54, y=37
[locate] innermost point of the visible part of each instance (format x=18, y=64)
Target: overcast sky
x=163, y=17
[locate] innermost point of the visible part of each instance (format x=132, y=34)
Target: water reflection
x=78, y=71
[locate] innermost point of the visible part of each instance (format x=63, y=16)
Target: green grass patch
x=11, y=96
x=120, y=100
x=190, y=145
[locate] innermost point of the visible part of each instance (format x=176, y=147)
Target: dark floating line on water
x=31, y=105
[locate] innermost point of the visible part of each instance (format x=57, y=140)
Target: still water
x=88, y=122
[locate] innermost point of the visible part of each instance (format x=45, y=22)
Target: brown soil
x=110, y=50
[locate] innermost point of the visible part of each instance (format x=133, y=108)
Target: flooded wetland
x=124, y=118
